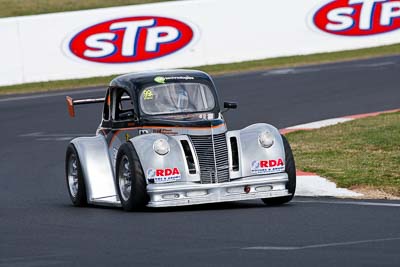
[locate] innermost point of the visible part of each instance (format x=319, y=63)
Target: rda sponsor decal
x=267, y=166
x=358, y=17
x=163, y=175
x=131, y=39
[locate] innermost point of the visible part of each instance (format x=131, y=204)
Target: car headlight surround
x=266, y=139
x=161, y=147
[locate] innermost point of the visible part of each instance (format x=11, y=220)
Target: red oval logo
x=358, y=17
x=132, y=39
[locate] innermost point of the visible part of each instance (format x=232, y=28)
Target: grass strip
x=12, y=8
x=263, y=64
x=363, y=153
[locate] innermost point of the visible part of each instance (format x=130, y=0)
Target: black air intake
x=235, y=154
x=189, y=157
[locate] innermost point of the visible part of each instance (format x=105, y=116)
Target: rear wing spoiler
x=71, y=103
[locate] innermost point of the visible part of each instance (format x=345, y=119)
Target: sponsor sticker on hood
x=161, y=79
x=163, y=175
x=267, y=166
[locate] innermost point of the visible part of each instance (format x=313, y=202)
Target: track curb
x=309, y=180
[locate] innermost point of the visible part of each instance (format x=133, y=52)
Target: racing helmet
x=182, y=97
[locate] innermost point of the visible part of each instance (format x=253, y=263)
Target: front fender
x=251, y=153
x=151, y=161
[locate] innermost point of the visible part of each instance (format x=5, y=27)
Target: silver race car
x=163, y=142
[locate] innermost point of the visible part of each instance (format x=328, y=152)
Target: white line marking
x=31, y=134
x=279, y=72
x=29, y=97
x=32, y=259
x=56, y=138
x=271, y=248
x=291, y=71
x=42, y=134
x=358, y=203
x=320, y=124
x=337, y=244
x=325, y=67
x=379, y=64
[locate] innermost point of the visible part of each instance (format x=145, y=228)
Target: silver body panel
x=175, y=158
x=189, y=194
x=98, y=160
x=97, y=170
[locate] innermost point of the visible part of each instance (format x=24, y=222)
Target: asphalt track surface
x=39, y=227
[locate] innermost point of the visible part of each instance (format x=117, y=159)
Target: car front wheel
x=290, y=169
x=130, y=180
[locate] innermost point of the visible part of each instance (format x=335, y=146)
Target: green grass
x=11, y=8
x=263, y=64
x=364, y=153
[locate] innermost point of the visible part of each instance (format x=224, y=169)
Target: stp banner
x=180, y=34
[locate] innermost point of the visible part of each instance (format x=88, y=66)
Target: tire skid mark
x=326, y=245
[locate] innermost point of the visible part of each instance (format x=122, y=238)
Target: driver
x=182, y=97
x=172, y=98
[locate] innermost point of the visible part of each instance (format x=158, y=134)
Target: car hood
x=189, y=126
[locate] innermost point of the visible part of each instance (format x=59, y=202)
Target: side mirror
x=229, y=105
x=127, y=115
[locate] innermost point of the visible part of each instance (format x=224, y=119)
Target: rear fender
x=96, y=167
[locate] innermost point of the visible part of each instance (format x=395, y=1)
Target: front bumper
x=182, y=194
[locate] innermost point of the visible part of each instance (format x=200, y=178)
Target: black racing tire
x=290, y=169
x=129, y=171
x=75, y=178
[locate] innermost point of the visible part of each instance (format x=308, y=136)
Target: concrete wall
x=186, y=34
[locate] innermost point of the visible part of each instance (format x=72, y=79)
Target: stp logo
x=132, y=39
x=358, y=17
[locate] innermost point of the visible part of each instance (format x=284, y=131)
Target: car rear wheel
x=74, y=177
x=290, y=169
x=130, y=180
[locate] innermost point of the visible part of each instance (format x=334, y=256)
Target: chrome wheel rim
x=73, y=175
x=125, y=178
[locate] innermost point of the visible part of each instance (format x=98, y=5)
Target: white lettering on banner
x=366, y=12
x=130, y=36
x=99, y=43
x=390, y=11
x=340, y=19
x=155, y=37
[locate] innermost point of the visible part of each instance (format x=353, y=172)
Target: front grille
x=212, y=153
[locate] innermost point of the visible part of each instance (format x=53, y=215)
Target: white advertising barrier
x=185, y=34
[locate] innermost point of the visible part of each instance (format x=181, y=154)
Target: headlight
x=161, y=147
x=266, y=139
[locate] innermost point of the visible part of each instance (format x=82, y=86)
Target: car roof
x=133, y=81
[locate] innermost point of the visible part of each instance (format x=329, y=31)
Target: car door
x=122, y=120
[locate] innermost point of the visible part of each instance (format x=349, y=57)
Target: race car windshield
x=173, y=98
